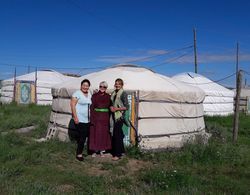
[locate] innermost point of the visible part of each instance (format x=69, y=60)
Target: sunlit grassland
x=29, y=167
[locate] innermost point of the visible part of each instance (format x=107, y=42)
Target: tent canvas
x=45, y=80
x=168, y=111
x=218, y=100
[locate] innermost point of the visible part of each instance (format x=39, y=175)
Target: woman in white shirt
x=80, y=103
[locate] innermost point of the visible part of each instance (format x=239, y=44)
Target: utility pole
x=237, y=107
x=237, y=62
x=14, y=89
x=195, y=52
x=238, y=77
x=36, y=86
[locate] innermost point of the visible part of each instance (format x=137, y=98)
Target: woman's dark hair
x=119, y=81
x=85, y=81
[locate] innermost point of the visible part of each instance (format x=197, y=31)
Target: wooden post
x=237, y=106
x=195, y=52
x=36, y=87
x=137, y=101
x=237, y=62
x=14, y=89
x=132, y=131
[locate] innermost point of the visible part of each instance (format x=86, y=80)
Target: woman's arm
x=125, y=104
x=124, y=100
x=92, y=110
x=73, y=103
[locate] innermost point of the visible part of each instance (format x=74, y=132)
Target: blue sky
x=74, y=34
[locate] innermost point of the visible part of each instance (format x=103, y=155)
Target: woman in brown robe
x=99, y=136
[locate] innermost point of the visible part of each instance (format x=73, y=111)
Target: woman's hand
x=76, y=120
x=113, y=109
x=73, y=103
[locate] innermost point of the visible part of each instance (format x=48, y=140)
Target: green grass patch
x=28, y=167
x=13, y=116
x=159, y=179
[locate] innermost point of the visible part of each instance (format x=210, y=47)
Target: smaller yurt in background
x=0, y=88
x=164, y=112
x=218, y=100
x=34, y=87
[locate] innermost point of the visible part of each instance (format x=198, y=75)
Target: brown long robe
x=99, y=136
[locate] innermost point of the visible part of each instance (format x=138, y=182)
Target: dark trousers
x=117, y=139
x=83, y=130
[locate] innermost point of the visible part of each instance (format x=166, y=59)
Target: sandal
x=80, y=158
x=116, y=158
x=102, y=154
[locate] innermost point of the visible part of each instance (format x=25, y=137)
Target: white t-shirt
x=82, y=106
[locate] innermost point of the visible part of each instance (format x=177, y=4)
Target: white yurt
x=165, y=112
x=42, y=92
x=0, y=87
x=218, y=100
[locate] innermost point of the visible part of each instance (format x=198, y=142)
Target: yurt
x=164, y=113
x=34, y=87
x=0, y=87
x=218, y=100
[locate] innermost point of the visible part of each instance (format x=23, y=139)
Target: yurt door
x=25, y=92
x=130, y=129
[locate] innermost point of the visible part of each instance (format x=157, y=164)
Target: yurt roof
x=209, y=86
x=137, y=78
x=43, y=76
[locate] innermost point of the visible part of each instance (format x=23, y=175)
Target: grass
x=28, y=167
x=15, y=116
